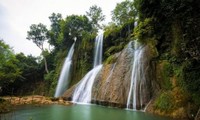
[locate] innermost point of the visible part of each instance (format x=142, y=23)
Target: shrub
x=164, y=102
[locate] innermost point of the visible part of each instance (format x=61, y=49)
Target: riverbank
x=8, y=102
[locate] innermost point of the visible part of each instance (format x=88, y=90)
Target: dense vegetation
x=18, y=72
x=171, y=26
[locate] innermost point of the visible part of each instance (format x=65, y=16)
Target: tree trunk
x=45, y=64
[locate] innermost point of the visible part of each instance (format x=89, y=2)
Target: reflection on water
x=76, y=112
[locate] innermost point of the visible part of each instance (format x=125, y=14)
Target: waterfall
x=98, y=50
x=138, y=95
x=63, y=81
x=83, y=91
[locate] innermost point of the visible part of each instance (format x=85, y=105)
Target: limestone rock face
x=113, y=83
x=69, y=93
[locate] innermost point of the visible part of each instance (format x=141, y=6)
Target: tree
x=29, y=66
x=30, y=74
x=96, y=16
x=124, y=12
x=38, y=34
x=72, y=27
x=9, y=72
x=55, y=28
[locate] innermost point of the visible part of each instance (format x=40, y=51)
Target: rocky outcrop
x=69, y=93
x=34, y=99
x=112, y=85
x=111, y=88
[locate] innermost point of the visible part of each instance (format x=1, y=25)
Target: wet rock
x=69, y=93
x=112, y=90
x=112, y=84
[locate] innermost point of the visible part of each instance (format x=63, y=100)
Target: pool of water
x=76, y=112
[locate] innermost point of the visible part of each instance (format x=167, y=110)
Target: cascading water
x=98, y=50
x=83, y=91
x=108, y=79
x=63, y=81
x=139, y=94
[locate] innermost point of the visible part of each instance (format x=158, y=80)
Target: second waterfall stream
x=63, y=81
x=83, y=91
x=139, y=92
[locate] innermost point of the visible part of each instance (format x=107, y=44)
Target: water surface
x=76, y=112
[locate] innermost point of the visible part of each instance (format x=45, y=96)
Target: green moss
x=82, y=58
x=166, y=74
x=111, y=59
x=116, y=37
x=177, y=38
x=176, y=31
x=114, y=49
x=111, y=30
x=144, y=30
x=164, y=102
x=152, y=45
x=191, y=78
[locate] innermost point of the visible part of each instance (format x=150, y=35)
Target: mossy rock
x=165, y=74
x=164, y=102
x=111, y=59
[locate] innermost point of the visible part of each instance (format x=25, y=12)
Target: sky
x=16, y=16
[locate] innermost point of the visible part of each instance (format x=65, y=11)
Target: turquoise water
x=76, y=112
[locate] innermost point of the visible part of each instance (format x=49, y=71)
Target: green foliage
x=111, y=30
x=124, y=12
x=166, y=74
x=116, y=37
x=191, y=33
x=55, y=22
x=83, y=57
x=29, y=66
x=111, y=59
x=18, y=73
x=51, y=82
x=73, y=27
x=178, y=70
x=114, y=49
x=164, y=102
x=177, y=39
x=144, y=30
x=9, y=71
x=38, y=34
x=96, y=16
x=191, y=79
x=52, y=77
x=31, y=75
x=175, y=25
x=55, y=29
